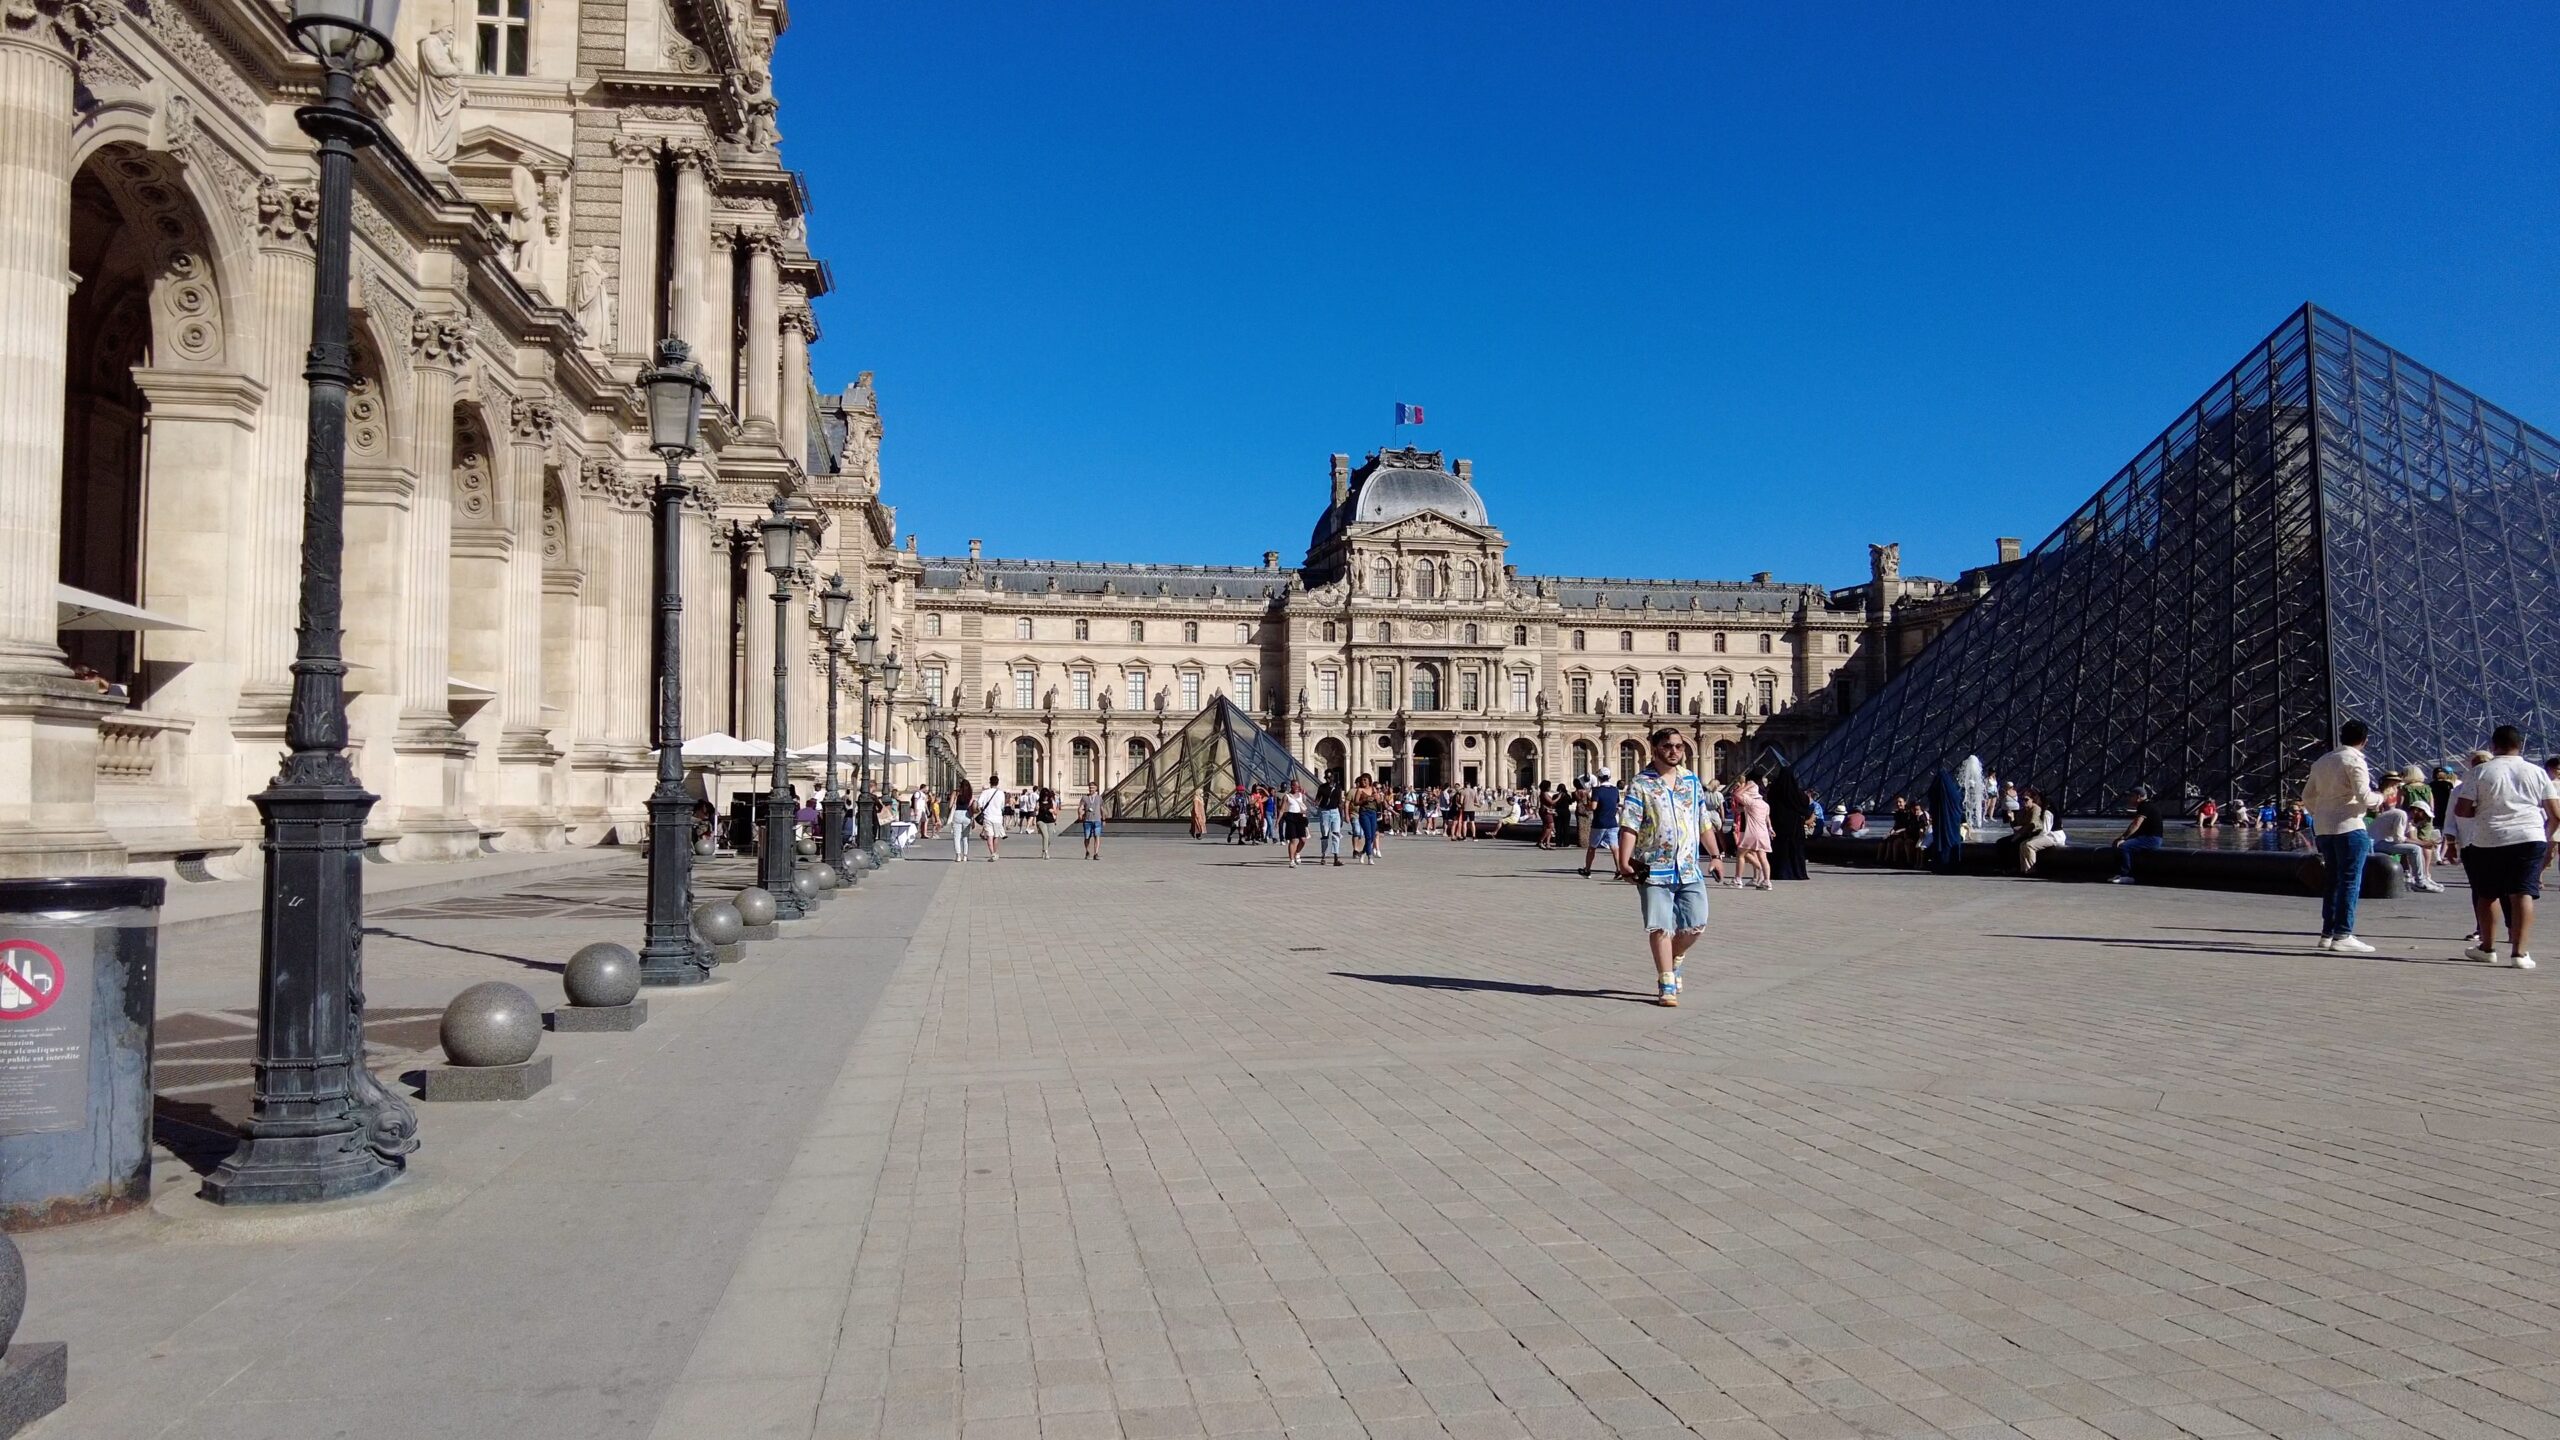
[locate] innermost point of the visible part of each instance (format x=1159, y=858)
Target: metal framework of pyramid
x=2333, y=531
x=1216, y=751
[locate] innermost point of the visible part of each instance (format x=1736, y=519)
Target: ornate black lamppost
x=320, y=1126
x=833, y=602
x=778, y=856
x=670, y=955
x=890, y=673
x=866, y=651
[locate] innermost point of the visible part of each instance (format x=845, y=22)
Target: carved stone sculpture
x=439, y=97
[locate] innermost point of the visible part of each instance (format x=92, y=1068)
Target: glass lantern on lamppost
x=833, y=603
x=777, y=856
x=670, y=954
x=891, y=672
x=320, y=1126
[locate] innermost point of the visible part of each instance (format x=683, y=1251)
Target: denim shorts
x=1092, y=829
x=1681, y=909
x=1604, y=837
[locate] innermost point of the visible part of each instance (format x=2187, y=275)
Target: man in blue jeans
x=2143, y=834
x=2339, y=793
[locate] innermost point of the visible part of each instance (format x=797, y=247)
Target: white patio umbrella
x=717, y=746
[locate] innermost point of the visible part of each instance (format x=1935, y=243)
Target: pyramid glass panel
x=2332, y=530
x=1216, y=751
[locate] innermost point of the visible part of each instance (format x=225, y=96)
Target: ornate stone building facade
x=1404, y=643
x=571, y=180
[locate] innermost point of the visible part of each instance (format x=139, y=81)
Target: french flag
x=1408, y=414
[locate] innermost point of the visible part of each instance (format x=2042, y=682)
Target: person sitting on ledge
x=2144, y=833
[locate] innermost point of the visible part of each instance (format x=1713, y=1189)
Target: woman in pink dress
x=1751, y=836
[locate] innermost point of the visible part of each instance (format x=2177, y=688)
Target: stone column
x=718, y=348
x=706, y=616
x=639, y=327
x=756, y=650
x=591, y=713
x=48, y=722
x=688, y=308
x=799, y=328
x=272, y=517
x=764, y=325
x=527, y=807
x=429, y=751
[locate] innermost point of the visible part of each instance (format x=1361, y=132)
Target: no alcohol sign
x=44, y=1040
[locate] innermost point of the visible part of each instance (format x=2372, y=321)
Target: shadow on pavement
x=1506, y=987
x=554, y=967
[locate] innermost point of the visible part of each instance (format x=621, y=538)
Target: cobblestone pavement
x=1186, y=1143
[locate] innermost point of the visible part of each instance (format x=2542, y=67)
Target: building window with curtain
x=1022, y=628
x=1137, y=686
x=1671, y=693
x=1581, y=640
x=1426, y=687
x=1468, y=584
x=1766, y=645
x=1626, y=694
x=1026, y=761
x=1581, y=694
x=1841, y=644
x=1626, y=639
x=1244, y=634
x=1243, y=682
x=1768, y=695
x=1382, y=689
x=1671, y=642
x=1426, y=581
x=1382, y=577
x=933, y=684
x=1025, y=683
x=932, y=623
x=1719, y=645
x=1189, y=682
x=1328, y=690
x=1088, y=763
x=1137, y=632
x=1519, y=634
x=1386, y=632
x=1473, y=635
x=1520, y=692
x=1331, y=633
x=1190, y=632
x=1138, y=753
x=1470, y=690
x=503, y=32
x=1719, y=695
x=1080, y=687
x=1084, y=629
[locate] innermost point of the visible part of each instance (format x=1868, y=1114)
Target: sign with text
x=44, y=1040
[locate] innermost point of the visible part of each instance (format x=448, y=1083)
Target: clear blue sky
x=1796, y=277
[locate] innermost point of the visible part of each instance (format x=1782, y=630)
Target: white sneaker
x=2482, y=954
x=2349, y=944
x=2521, y=962
x=2430, y=887
x=2119, y=879
x=2328, y=942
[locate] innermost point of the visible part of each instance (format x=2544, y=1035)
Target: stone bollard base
x=34, y=1381
x=762, y=932
x=729, y=954
x=597, y=1019
x=487, y=1082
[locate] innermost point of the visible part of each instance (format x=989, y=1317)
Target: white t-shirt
x=2507, y=794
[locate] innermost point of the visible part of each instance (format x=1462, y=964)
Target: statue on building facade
x=439, y=98
x=591, y=297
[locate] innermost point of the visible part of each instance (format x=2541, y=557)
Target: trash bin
x=79, y=981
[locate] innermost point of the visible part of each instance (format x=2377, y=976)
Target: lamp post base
x=672, y=955
x=831, y=846
x=779, y=858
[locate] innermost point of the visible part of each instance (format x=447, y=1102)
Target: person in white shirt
x=2339, y=793
x=989, y=808
x=2509, y=808
x=2394, y=836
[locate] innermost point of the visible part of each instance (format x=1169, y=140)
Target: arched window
x=1473, y=635
x=1084, y=629
x=1586, y=757
x=1581, y=640
x=1426, y=581
x=1626, y=639
x=1766, y=645
x=1719, y=642
x=1138, y=753
x=932, y=623
x=1382, y=576
x=1426, y=687
x=1630, y=761
x=1190, y=632
x=1332, y=635
x=1022, y=628
x=1026, y=761
x=1386, y=632
x=1137, y=632
x=1671, y=642
x=1470, y=581
x=1087, y=759
x=1519, y=634
x=1841, y=644
x=1244, y=633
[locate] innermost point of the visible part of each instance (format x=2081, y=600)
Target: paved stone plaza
x=1185, y=1144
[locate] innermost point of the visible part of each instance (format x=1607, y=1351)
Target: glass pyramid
x=2333, y=531
x=1217, y=750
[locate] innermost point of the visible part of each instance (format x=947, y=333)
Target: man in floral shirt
x=1663, y=830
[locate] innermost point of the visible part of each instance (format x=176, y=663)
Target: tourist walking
x=1293, y=821
x=2510, y=810
x=1546, y=815
x=1662, y=832
x=2143, y=832
x=1602, y=832
x=1044, y=813
x=960, y=820
x=1752, y=836
x=1199, y=812
x=1792, y=812
x=989, y=810
x=2338, y=794
x=1089, y=818
x=1366, y=804
x=1329, y=820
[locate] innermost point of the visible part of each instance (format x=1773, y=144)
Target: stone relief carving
x=440, y=338
x=101, y=68
x=555, y=526
x=592, y=297
x=533, y=421
x=375, y=226
x=474, y=488
x=635, y=150
x=203, y=60
x=392, y=314
x=286, y=212
x=531, y=226
x=368, y=427
x=72, y=24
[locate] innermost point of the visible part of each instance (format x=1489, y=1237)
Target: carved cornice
x=636, y=151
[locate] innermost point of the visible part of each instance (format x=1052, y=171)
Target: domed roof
x=1398, y=483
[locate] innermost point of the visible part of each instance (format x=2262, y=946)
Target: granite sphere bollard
x=804, y=883
x=828, y=879
x=492, y=1023
x=13, y=1290
x=601, y=975
x=756, y=907
x=719, y=923
x=706, y=847
x=808, y=849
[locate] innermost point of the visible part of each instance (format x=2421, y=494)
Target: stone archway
x=1523, y=755
x=1331, y=761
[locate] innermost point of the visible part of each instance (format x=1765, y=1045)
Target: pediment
x=1429, y=525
